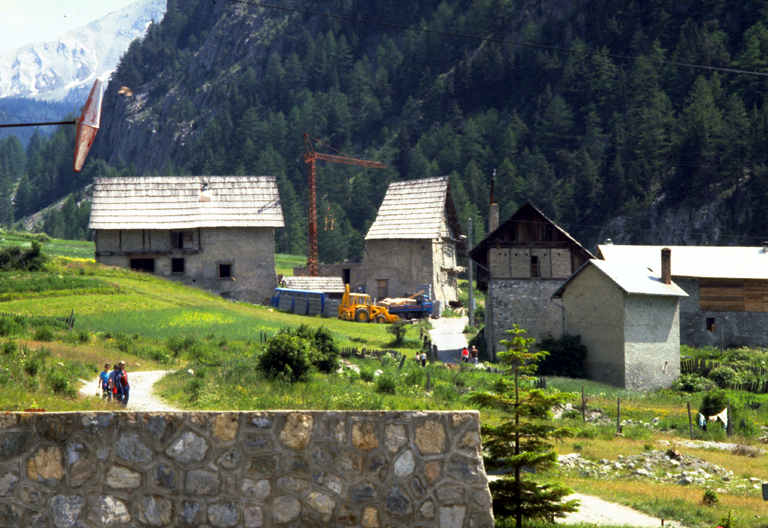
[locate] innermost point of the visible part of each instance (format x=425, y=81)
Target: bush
x=9, y=326
x=327, y=357
x=567, y=357
x=59, y=382
x=398, y=329
x=367, y=375
x=710, y=498
x=15, y=258
x=713, y=402
x=9, y=348
x=288, y=355
x=385, y=384
x=691, y=383
x=44, y=333
x=723, y=376
x=479, y=314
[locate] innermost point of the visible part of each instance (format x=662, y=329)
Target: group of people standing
x=114, y=384
x=466, y=354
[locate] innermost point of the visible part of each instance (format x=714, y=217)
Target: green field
x=153, y=323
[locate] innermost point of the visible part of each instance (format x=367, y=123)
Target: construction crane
x=310, y=157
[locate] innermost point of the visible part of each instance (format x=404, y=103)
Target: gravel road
x=603, y=513
x=142, y=397
x=447, y=334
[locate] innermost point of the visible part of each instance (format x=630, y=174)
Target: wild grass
x=285, y=263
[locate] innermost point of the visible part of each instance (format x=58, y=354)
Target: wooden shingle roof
x=185, y=202
x=415, y=209
x=322, y=284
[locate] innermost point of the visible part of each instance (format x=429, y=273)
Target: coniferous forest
x=229, y=88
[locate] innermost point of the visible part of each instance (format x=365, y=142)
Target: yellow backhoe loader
x=358, y=307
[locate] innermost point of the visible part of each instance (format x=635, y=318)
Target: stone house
x=727, y=287
x=414, y=242
x=629, y=319
x=521, y=263
x=213, y=232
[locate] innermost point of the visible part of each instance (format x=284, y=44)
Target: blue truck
x=422, y=307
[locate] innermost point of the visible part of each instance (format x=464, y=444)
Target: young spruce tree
x=521, y=443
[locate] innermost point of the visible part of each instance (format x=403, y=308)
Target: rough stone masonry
x=243, y=469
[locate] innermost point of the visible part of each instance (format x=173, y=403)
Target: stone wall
x=249, y=251
x=245, y=470
x=527, y=302
x=732, y=328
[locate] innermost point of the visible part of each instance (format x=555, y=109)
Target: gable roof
x=175, y=202
x=710, y=262
x=526, y=210
x=631, y=278
x=415, y=209
x=321, y=284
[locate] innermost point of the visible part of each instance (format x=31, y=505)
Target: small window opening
x=711, y=326
x=177, y=265
x=383, y=288
x=534, y=267
x=346, y=275
x=225, y=271
x=146, y=264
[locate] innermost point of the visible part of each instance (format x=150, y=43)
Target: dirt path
x=142, y=396
x=447, y=334
x=603, y=513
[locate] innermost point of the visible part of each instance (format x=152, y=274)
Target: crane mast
x=310, y=157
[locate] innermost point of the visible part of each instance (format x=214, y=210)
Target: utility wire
x=500, y=41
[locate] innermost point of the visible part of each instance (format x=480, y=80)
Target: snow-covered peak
x=50, y=70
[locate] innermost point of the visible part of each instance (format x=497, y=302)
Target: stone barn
x=213, y=232
x=521, y=263
x=629, y=319
x=727, y=287
x=414, y=242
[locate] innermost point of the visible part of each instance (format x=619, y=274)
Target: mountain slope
x=50, y=70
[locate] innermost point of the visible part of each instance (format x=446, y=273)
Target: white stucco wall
x=594, y=309
x=652, y=341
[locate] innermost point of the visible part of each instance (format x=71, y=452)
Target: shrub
x=83, y=336
x=194, y=387
x=8, y=326
x=44, y=333
x=567, y=357
x=9, y=348
x=713, y=402
x=288, y=355
x=723, y=376
x=59, y=382
x=710, y=498
x=479, y=314
x=398, y=329
x=385, y=384
x=367, y=375
x=691, y=383
x=414, y=377
x=16, y=258
x=33, y=365
x=327, y=357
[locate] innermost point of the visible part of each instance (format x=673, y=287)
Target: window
x=711, y=326
x=345, y=275
x=177, y=265
x=225, y=271
x=534, y=267
x=181, y=239
x=143, y=264
x=383, y=288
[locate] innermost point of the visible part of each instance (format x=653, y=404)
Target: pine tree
x=523, y=440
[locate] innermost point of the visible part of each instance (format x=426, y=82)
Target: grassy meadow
x=152, y=323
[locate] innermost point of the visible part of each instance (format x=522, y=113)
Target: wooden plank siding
x=733, y=295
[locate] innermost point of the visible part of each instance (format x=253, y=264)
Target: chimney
x=765, y=247
x=493, y=208
x=666, y=265
x=493, y=217
x=609, y=242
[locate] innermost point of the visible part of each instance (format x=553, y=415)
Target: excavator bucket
x=88, y=125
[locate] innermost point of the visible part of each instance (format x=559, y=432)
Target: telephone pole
x=471, y=286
